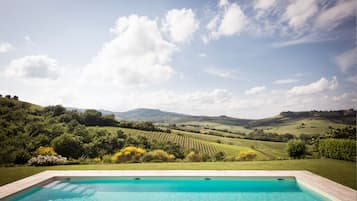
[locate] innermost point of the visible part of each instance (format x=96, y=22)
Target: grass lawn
x=340, y=171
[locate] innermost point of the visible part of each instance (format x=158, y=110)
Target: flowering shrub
x=194, y=156
x=47, y=151
x=42, y=160
x=128, y=154
x=158, y=155
x=247, y=155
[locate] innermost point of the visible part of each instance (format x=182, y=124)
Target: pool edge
x=316, y=183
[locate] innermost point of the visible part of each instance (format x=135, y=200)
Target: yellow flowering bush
x=128, y=155
x=158, y=155
x=46, y=151
x=247, y=155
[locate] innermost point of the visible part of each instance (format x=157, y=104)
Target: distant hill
x=154, y=115
x=158, y=116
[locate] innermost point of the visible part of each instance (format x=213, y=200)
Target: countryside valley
x=42, y=136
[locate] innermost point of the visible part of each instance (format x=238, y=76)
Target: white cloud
x=347, y=59
x=202, y=55
x=255, y=90
x=34, y=66
x=223, y=3
x=29, y=40
x=312, y=38
x=231, y=22
x=138, y=54
x=5, y=47
x=299, y=12
x=264, y=4
x=285, y=81
x=180, y=24
x=352, y=79
x=223, y=73
x=319, y=86
x=334, y=16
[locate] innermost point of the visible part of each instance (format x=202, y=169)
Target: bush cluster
x=128, y=155
x=46, y=151
x=158, y=155
x=342, y=149
x=296, y=148
x=42, y=160
x=247, y=155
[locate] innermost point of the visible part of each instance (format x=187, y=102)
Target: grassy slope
x=271, y=149
x=340, y=171
x=292, y=126
x=312, y=126
x=219, y=126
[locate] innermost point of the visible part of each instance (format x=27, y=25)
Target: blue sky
x=248, y=59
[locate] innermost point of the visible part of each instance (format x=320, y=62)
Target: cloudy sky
x=243, y=58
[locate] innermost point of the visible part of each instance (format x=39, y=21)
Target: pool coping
x=321, y=185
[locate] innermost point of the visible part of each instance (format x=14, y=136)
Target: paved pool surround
x=321, y=185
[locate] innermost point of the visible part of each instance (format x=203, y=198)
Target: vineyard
x=182, y=140
x=208, y=144
x=272, y=150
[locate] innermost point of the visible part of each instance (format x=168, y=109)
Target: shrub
x=128, y=154
x=46, y=151
x=107, y=158
x=219, y=156
x=68, y=145
x=21, y=156
x=296, y=148
x=247, y=155
x=230, y=158
x=194, y=156
x=342, y=149
x=158, y=155
x=42, y=160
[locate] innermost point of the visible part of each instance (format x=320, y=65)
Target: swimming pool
x=170, y=189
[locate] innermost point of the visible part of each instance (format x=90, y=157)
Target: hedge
x=342, y=149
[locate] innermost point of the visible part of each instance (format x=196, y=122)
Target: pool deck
x=326, y=187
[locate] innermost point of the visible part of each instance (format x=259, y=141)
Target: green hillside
x=296, y=123
x=91, y=134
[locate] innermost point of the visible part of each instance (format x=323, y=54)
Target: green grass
x=312, y=126
x=340, y=171
x=219, y=126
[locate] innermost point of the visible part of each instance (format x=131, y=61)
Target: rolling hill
x=296, y=123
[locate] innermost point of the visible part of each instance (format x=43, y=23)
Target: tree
x=56, y=110
x=91, y=117
x=68, y=145
x=296, y=148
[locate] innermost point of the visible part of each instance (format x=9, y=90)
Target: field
x=219, y=126
x=339, y=171
x=211, y=144
x=272, y=150
x=305, y=126
x=292, y=126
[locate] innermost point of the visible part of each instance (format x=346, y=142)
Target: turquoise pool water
x=170, y=189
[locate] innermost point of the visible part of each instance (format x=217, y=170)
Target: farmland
x=211, y=144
